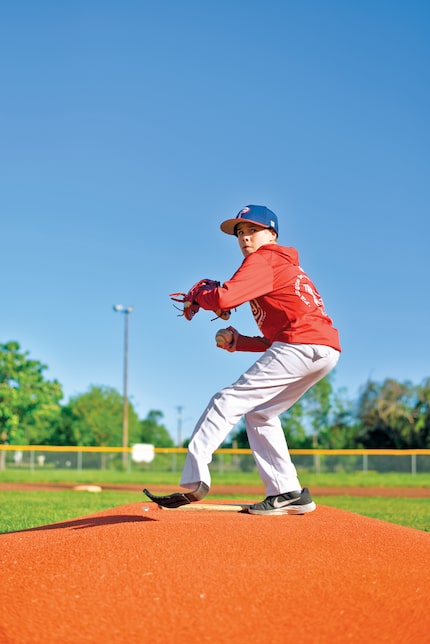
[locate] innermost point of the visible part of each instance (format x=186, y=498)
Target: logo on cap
x=243, y=212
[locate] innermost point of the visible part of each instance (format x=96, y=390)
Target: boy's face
x=252, y=236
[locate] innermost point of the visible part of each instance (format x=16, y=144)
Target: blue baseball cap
x=254, y=215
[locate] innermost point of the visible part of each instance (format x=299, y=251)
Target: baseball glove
x=191, y=306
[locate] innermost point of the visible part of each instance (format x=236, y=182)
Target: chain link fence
x=39, y=457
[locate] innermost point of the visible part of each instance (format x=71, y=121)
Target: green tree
x=95, y=418
x=29, y=404
x=63, y=433
x=317, y=407
x=422, y=415
x=387, y=412
x=292, y=422
x=344, y=428
x=154, y=432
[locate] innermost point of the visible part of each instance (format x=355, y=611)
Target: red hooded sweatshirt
x=284, y=302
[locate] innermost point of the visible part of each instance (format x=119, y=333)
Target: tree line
x=386, y=415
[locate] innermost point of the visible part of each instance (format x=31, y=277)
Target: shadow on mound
x=88, y=522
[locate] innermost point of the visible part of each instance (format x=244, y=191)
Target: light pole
x=179, y=409
x=119, y=308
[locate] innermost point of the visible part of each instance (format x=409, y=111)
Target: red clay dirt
x=137, y=574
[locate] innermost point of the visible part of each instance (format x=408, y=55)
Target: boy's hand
x=227, y=339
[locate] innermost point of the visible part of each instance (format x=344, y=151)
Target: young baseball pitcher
x=298, y=346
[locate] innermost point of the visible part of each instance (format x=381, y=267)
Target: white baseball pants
x=269, y=387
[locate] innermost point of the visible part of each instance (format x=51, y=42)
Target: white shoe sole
x=289, y=509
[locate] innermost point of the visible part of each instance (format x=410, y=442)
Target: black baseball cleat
x=298, y=502
x=177, y=499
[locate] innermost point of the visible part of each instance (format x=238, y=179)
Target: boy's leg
x=219, y=417
x=271, y=385
x=264, y=429
x=271, y=455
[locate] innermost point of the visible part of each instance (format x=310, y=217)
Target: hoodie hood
x=288, y=253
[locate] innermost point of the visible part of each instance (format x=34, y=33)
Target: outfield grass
x=169, y=478
x=411, y=513
x=23, y=510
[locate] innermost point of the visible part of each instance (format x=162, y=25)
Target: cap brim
x=229, y=225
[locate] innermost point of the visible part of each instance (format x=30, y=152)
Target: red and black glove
x=191, y=306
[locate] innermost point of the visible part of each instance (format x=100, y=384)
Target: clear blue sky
x=129, y=130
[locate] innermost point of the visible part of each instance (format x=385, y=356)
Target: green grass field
x=24, y=510
x=146, y=477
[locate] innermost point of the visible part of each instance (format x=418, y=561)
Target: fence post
x=365, y=463
x=221, y=463
x=79, y=461
x=414, y=463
